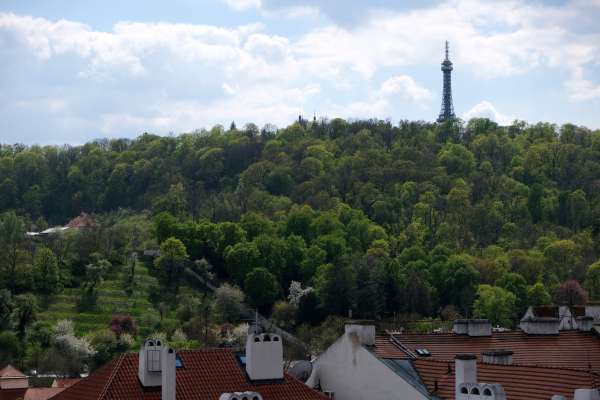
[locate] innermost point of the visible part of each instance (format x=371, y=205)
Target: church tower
x=447, y=111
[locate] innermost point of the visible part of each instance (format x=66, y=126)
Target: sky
x=74, y=71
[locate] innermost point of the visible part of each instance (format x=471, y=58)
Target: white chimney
x=558, y=397
x=264, y=356
x=150, y=365
x=586, y=394
x=461, y=326
x=540, y=325
x=169, y=369
x=465, y=371
x=497, y=356
x=364, y=330
x=479, y=327
x=156, y=367
x=585, y=323
x=241, y=396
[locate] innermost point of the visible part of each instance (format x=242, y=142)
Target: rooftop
x=205, y=374
x=570, y=349
x=519, y=382
x=10, y=372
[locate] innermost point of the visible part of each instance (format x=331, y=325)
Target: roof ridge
x=113, y=373
x=587, y=371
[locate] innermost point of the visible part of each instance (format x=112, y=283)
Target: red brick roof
x=65, y=382
x=41, y=393
x=569, y=349
x=519, y=382
x=205, y=376
x=11, y=372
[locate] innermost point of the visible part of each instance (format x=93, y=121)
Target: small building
x=569, y=317
x=158, y=372
x=472, y=362
x=14, y=385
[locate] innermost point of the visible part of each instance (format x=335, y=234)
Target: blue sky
x=73, y=71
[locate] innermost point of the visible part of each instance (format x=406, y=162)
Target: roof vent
x=586, y=394
x=585, y=323
x=423, y=352
x=479, y=327
x=461, y=326
x=540, y=325
x=241, y=396
x=498, y=356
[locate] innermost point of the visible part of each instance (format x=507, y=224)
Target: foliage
x=496, y=304
x=262, y=288
x=570, y=293
x=229, y=302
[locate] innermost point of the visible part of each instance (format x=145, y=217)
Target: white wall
x=354, y=373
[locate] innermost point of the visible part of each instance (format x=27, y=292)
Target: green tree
x=240, y=259
x=172, y=260
x=335, y=287
x=12, y=235
x=592, y=281
x=229, y=303
x=457, y=159
x=517, y=285
x=262, y=288
x=537, y=295
x=46, y=272
x=496, y=304
x=24, y=313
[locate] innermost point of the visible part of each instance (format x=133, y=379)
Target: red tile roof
x=569, y=349
x=41, y=393
x=64, y=382
x=11, y=372
x=12, y=394
x=205, y=376
x=519, y=382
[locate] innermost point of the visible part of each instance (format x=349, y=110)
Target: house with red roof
x=471, y=362
x=158, y=372
x=14, y=385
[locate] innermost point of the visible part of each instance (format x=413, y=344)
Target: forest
x=308, y=224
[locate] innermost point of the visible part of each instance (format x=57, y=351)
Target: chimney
x=540, y=325
x=465, y=371
x=264, y=356
x=498, y=356
x=156, y=367
x=586, y=394
x=558, y=397
x=479, y=327
x=365, y=330
x=169, y=369
x=461, y=326
x=150, y=365
x=241, y=396
x=585, y=323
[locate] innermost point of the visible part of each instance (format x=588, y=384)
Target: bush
x=123, y=324
x=284, y=314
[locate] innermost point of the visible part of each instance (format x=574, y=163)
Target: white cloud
x=406, y=87
x=239, y=5
x=485, y=109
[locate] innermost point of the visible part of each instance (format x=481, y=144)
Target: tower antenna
x=447, y=111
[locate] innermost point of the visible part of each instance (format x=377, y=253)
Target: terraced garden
x=113, y=299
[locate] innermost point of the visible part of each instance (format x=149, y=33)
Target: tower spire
x=447, y=111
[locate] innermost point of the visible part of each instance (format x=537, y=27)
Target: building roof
x=13, y=394
x=64, y=382
x=569, y=349
x=42, y=393
x=519, y=382
x=206, y=374
x=82, y=221
x=10, y=372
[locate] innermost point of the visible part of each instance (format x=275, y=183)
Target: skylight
x=423, y=352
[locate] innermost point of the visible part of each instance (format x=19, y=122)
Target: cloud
x=406, y=87
x=485, y=109
x=240, y=5
x=147, y=73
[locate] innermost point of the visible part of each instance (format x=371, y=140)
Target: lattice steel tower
x=447, y=111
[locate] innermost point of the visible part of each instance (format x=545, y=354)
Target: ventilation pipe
x=169, y=369
x=461, y=326
x=479, y=327
x=540, y=325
